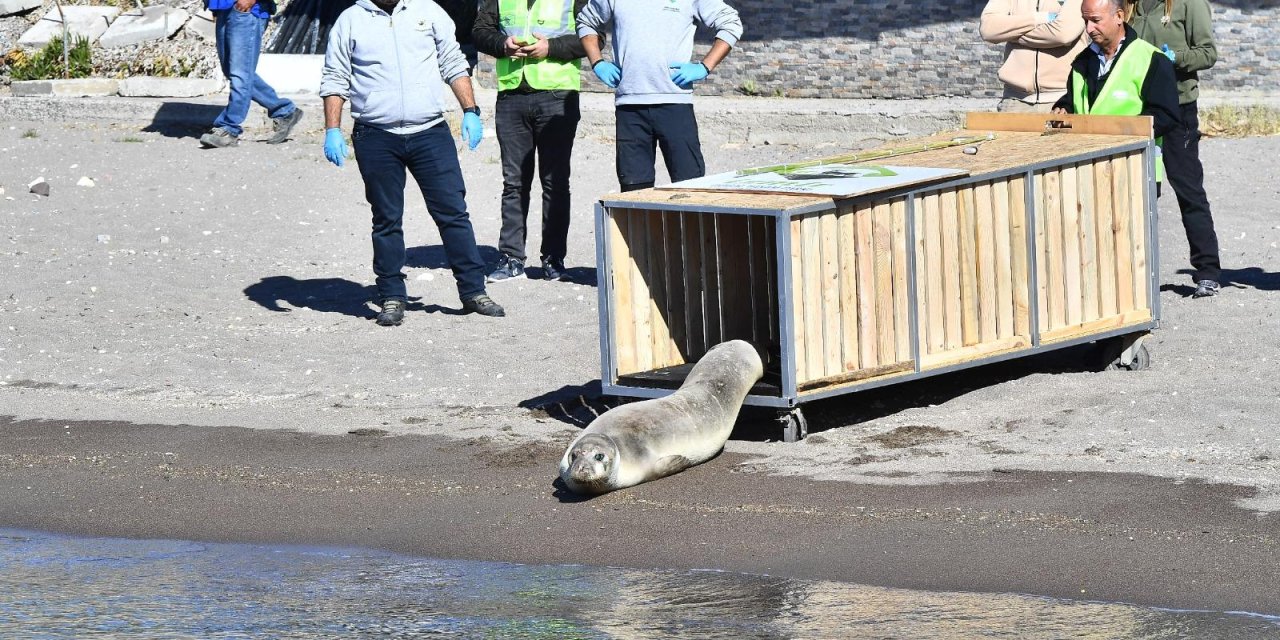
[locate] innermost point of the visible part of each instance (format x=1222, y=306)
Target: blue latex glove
x=472, y=130
x=687, y=73
x=335, y=146
x=609, y=73
x=1053, y=16
x=1173, y=57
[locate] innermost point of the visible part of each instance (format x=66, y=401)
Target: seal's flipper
x=668, y=465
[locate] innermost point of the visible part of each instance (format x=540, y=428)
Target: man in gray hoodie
x=653, y=77
x=381, y=56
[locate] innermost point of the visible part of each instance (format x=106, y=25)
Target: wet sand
x=1111, y=537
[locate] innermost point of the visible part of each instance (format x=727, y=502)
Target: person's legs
x=381, y=159
x=677, y=131
x=636, y=147
x=514, y=126
x=433, y=162
x=1186, y=176
x=239, y=38
x=555, y=126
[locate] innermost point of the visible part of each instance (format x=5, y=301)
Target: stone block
x=291, y=73
x=153, y=87
x=201, y=24
x=82, y=21
x=74, y=88
x=152, y=23
x=10, y=7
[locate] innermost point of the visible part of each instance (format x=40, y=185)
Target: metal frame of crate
x=1014, y=259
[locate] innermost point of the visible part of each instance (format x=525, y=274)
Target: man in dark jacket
x=538, y=75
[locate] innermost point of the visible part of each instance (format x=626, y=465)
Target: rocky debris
x=39, y=186
x=152, y=23
x=10, y=7
x=85, y=181
x=82, y=22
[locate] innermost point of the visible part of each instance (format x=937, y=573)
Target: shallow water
x=55, y=586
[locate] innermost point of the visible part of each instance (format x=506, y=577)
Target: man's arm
x=1198, y=52
x=335, y=79
x=591, y=21
x=999, y=24
x=1160, y=95
x=1063, y=31
x=487, y=34
x=568, y=46
x=461, y=86
x=726, y=22
x=333, y=111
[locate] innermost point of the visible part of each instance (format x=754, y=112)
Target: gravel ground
x=229, y=287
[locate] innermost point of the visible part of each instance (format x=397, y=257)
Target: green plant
x=749, y=88
x=131, y=139
x=47, y=64
x=31, y=133
x=1230, y=121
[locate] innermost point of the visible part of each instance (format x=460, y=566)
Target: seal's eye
x=599, y=457
x=573, y=456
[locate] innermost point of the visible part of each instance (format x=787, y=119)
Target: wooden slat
x=1004, y=260
x=735, y=296
x=1019, y=260
x=1104, y=217
x=901, y=314
x=951, y=296
x=968, y=267
x=676, y=280
x=1042, y=252
x=712, y=277
x=1137, y=196
x=830, y=288
x=1120, y=187
x=868, y=338
x=936, y=307
x=811, y=230
x=1088, y=229
x=882, y=236
x=799, y=341
x=695, y=289
x=642, y=314
x=758, y=272
x=1079, y=124
x=657, y=276
x=984, y=218
x=622, y=300
x=771, y=262
x=1054, y=252
x=973, y=352
x=1071, y=246
x=846, y=228
x=1137, y=316
x=858, y=376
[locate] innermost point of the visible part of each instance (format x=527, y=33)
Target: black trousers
x=542, y=123
x=1186, y=175
x=641, y=128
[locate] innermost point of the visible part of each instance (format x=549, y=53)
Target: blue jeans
x=432, y=159
x=239, y=41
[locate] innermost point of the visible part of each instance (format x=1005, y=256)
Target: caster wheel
x=1141, y=360
x=794, y=426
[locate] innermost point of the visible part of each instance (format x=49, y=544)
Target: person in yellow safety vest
x=538, y=74
x=1120, y=74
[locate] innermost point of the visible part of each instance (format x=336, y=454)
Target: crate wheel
x=794, y=427
x=1128, y=353
x=1141, y=360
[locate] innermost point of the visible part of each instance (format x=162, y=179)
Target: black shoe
x=392, y=313
x=1206, y=288
x=553, y=269
x=483, y=305
x=508, y=268
x=283, y=126
x=219, y=138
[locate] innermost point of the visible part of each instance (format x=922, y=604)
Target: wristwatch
x=475, y=110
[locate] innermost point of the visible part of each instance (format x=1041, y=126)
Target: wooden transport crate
x=1046, y=243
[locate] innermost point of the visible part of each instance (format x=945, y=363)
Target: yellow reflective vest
x=546, y=18
x=1121, y=93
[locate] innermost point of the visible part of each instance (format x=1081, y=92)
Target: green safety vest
x=546, y=18
x=1121, y=93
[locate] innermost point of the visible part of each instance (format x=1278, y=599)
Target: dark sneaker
x=392, y=313
x=483, y=305
x=508, y=268
x=283, y=126
x=1206, y=288
x=553, y=268
x=218, y=138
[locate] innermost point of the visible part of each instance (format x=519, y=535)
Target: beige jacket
x=1038, y=51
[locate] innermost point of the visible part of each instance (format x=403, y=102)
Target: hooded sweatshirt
x=1188, y=30
x=648, y=37
x=387, y=65
x=1038, y=51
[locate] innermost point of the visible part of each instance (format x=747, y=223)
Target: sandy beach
x=186, y=348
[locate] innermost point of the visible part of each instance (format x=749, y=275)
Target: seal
x=647, y=440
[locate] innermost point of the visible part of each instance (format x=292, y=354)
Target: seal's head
x=590, y=466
